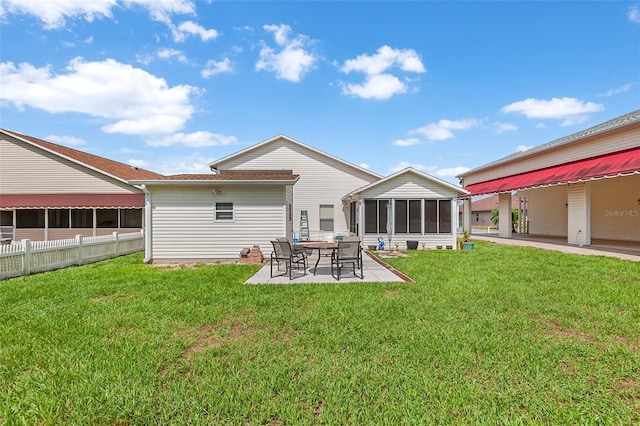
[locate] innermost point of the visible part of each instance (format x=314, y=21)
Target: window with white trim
x=375, y=216
x=326, y=217
x=437, y=216
x=224, y=212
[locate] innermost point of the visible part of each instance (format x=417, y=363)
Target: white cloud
x=443, y=129
x=619, y=90
x=139, y=163
x=384, y=59
x=521, y=148
x=634, y=14
x=187, y=28
x=379, y=86
x=216, y=67
x=451, y=172
x=570, y=110
x=167, y=53
x=54, y=13
x=292, y=61
x=379, y=82
x=404, y=164
x=192, y=164
x=574, y=119
x=407, y=142
x=66, y=140
x=194, y=140
x=505, y=127
x=364, y=166
x=130, y=99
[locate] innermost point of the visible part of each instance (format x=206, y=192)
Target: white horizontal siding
x=597, y=145
x=25, y=169
x=183, y=225
x=407, y=186
x=615, y=208
x=323, y=180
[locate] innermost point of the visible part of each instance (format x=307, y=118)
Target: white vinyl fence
x=29, y=257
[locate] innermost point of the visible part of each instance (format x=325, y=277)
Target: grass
x=499, y=335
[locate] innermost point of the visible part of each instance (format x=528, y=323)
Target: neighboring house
x=48, y=191
x=202, y=218
x=324, y=180
x=407, y=206
x=583, y=186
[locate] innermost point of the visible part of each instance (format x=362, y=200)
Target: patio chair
x=349, y=252
x=283, y=252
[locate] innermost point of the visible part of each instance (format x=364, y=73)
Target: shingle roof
x=616, y=123
x=248, y=176
x=110, y=167
x=220, y=162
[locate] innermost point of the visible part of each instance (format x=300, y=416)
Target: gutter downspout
x=148, y=255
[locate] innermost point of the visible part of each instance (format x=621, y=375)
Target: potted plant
x=466, y=240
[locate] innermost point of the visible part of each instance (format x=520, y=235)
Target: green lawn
x=497, y=335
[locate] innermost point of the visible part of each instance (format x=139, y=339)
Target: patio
x=374, y=271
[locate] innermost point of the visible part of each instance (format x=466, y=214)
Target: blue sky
x=171, y=85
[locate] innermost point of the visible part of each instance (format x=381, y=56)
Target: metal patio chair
x=283, y=252
x=349, y=252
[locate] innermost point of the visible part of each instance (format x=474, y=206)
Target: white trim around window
x=224, y=212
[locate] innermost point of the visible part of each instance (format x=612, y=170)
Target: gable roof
x=451, y=186
x=214, y=165
x=614, y=124
x=120, y=171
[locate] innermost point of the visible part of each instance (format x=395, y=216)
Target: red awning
x=57, y=201
x=609, y=165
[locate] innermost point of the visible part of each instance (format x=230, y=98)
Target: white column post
x=505, y=223
x=579, y=214
x=466, y=215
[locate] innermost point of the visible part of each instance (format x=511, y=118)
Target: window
x=131, y=218
x=224, y=212
x=30, y=218
x=58, y=218
x=82, y=218
x=353, y=218
x=375, y=216
x=6, y=218
x=107, y=218
x=408, y=216
x=326, y=217
x=431, y=216
x=400, y=216
x=437, y=216
x=444, y=217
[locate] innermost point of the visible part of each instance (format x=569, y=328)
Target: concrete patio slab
x=374, y=271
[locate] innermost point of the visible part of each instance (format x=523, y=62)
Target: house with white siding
x=582, y=187
x=50, y=192
x=258, y=194
x=324, y=180
x=203, y=218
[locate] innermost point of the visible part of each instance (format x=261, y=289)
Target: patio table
x=320, y=246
